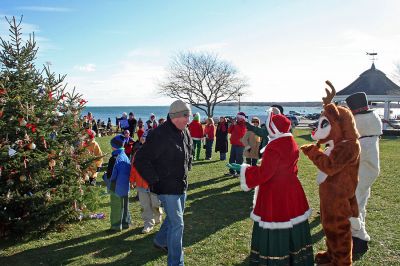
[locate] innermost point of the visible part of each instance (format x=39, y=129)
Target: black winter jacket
x=165, y=159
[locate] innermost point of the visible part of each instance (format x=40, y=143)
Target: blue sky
x=116, y=52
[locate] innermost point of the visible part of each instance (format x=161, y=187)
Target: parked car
x=294, y=113
x=313, y=125
x=293, y=119
x=312, y=116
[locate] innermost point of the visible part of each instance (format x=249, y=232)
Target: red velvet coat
x=196, y=130
x=280, y=200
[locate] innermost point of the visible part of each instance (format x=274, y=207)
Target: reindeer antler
x=329, y=95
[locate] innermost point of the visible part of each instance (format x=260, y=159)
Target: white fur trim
x=321, y=176
x=243, y=184
x=255, y=195
x=281, y=225
x=197, y=138
x=241, y=117
x=355, y=223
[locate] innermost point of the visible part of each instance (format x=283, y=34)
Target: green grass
x=217, y=227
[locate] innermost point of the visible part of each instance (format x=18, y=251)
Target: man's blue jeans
x=171, y=231
x=236, y=156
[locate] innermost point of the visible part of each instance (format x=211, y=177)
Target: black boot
x=359, y=246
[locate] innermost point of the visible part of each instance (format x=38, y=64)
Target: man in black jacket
x=164, y=161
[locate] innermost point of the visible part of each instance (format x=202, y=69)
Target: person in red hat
x=281, y=232
x=369, y=127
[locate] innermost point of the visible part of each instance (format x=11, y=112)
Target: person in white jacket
x=369, y=127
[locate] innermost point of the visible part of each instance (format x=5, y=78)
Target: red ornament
x=32, y=127
x=44, y=142
x=62, y=97
x=2, y=91
x=82, y=102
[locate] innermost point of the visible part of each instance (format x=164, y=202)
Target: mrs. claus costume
x=281, y=233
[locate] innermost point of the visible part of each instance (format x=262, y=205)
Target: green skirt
x=291, y=246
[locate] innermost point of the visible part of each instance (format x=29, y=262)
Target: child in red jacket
x=237, y=131
x=196, y=132
x=209, y=134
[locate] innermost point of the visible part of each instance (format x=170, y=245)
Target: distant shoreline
x=287, y=104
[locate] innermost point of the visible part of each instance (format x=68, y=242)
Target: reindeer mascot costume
x=337, y=179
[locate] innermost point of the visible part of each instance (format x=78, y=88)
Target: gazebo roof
x=372, y=82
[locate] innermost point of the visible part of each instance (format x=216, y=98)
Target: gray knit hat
x=179, y=109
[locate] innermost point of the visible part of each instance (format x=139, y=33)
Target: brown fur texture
x=337, y=192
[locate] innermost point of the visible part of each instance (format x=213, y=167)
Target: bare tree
x=202, y=80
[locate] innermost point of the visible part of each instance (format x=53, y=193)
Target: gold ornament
x=31, y=146
x=22, y=178
x=52, y=163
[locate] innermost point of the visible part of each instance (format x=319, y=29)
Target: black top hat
x=358, y=103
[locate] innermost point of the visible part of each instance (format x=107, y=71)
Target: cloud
x=86, y=68
x=211, y=47
x=131, y=82
x=145, y=52
x=44, y=9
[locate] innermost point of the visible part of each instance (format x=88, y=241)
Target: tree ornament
x=52, y=163
x=10, y=182
x=22, y=178
x=1, y=112
x=2, y=91
x=82, y=102
x=47, y=196
x=1, y=171
x=44, y=142
x=26, y=162
x=22, y=122
x=19, y=143
x=53, y=135
x=11, y=152
x=8, y=196
x=32, y=127
x=31, y=146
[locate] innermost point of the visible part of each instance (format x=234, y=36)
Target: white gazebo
x=378, y=88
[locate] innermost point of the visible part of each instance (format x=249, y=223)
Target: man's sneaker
x=165, y=249
x=147, y=229
x=235, y=175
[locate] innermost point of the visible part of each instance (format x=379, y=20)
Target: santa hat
x=241, y=116
x=91, y=133
x=278, y=125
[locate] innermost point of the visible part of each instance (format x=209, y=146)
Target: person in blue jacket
x=118, y=184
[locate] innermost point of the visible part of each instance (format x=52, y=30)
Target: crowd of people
x=155, y=157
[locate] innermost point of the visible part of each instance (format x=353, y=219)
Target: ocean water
x=143, y=112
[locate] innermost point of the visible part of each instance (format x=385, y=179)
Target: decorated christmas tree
x=42, y=159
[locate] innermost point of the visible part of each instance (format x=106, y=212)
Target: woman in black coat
x=221, y=144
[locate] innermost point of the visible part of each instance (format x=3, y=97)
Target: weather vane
x=373, y=56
